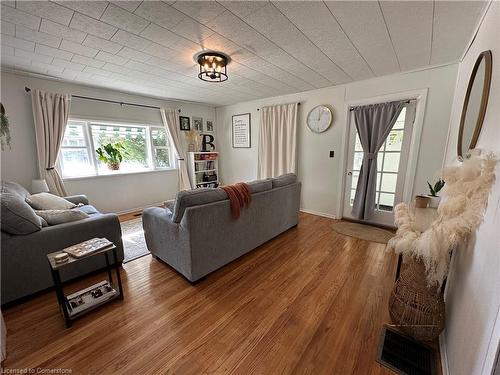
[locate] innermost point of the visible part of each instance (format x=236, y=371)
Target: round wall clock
x=319, y=118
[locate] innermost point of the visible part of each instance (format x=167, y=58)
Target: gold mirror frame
x=486, y=55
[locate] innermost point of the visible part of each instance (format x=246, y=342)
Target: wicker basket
x=414, y=307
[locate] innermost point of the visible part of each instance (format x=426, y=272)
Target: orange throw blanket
x=239, y=196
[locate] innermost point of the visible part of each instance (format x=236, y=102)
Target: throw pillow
x=47, y=201
x=54, y=217
x=17, y=216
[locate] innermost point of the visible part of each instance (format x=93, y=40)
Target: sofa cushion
x=258, y=186
x=189, y=198
x=79, y=199
x=47, y=201
x=13, y=188
x=88, y=209
x=284, y=179
x=44, y=222
x=17, y=217
x=54, y=217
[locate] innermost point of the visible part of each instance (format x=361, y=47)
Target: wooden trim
x=487, y=56
x=317, y=213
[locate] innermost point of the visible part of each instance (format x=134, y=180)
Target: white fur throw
x=465, y=197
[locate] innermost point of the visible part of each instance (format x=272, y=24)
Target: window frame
x=87, y=122
x=154, y=148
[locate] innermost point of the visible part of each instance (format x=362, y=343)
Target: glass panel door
x=391, y=165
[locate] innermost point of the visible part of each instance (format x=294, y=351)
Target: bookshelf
x=203, y=168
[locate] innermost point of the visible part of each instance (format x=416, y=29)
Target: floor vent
x=404, y=355
x=138, y=214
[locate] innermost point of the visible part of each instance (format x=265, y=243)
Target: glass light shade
x=212, y=67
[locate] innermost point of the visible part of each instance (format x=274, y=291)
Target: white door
x=391, y=167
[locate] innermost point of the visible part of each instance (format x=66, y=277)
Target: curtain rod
x=258, y=109
x=357, y=106
x=27, y=89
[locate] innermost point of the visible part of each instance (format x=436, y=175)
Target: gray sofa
x=198, y=235
x=24, y=266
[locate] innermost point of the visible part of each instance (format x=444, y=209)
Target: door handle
x=349, y=173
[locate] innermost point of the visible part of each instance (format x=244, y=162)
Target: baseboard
x=442, y=353
x=330, y=216
x=128, y=211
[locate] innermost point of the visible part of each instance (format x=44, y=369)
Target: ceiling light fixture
x=212, y=66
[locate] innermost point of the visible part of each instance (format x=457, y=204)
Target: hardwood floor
x=310, y=301
x=130, y=216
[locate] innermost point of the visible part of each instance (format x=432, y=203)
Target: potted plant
x=434, y=190
x=422, y=201
x=111, y=155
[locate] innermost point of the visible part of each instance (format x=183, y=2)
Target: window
x=161, y=149
x=145, y=148
x=133, y=140
x=75, y=157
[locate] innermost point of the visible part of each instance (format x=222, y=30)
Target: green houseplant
x=434, y=190
x=4, y=128
x=111, y=155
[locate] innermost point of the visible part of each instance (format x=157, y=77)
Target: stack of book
x=90, y=297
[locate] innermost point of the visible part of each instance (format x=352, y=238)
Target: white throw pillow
x=54, y=217
x=47, y=201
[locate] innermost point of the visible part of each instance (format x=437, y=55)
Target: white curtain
x=277, y=140
x=171, y=123
x=50, y=115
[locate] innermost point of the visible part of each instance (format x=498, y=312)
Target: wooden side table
x=58, y=284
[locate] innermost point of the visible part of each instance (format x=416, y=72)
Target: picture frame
x=241, y=131
x=209, y=126
x=198, y=124
x=184, y=123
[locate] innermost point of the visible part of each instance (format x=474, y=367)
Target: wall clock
x=319, y=118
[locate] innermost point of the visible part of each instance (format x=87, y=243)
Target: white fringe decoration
x=465, y=197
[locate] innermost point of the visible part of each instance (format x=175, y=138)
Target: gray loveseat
x=25, y=269
x=198, y=235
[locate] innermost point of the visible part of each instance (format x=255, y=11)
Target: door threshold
x=382, y=226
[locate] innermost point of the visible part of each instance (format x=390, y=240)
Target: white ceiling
x=278, y=47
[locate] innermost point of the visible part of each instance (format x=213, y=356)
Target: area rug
x=134, y=244
x=362, y=231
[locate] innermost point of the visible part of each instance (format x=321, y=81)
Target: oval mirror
x=475, y=103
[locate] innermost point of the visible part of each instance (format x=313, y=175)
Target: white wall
x=472, y=330
x=320, y=175
x=115, y=193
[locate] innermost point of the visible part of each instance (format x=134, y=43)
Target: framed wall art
x=241, y=131
x=184, y=123
x=210, y=126
x=198, y=124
